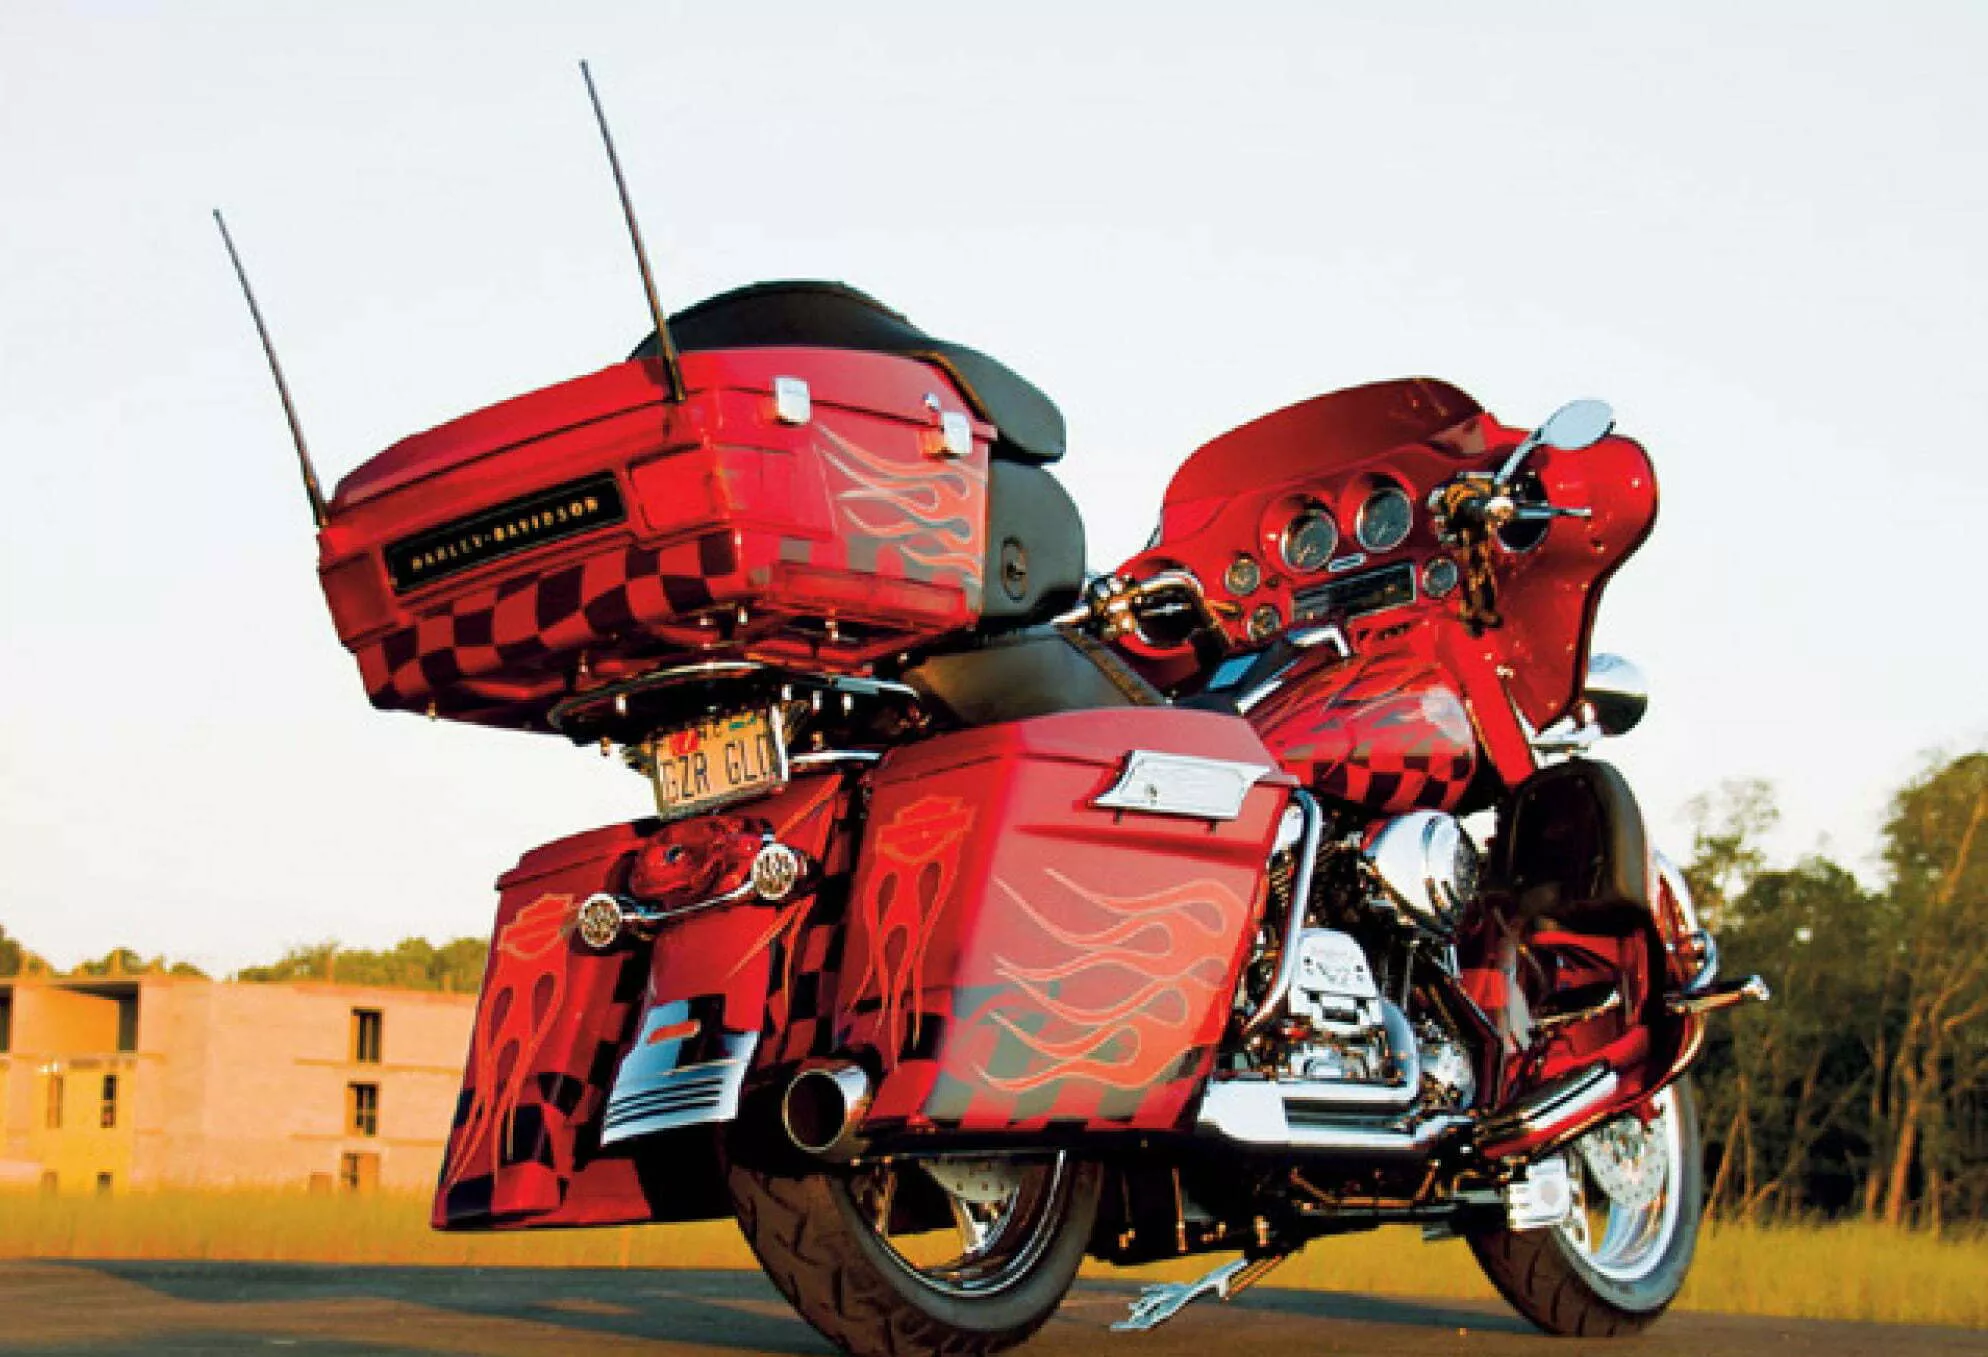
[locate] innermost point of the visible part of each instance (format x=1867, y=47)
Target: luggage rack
x=631, y=710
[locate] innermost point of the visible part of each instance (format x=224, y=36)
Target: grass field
x=1829, y=1272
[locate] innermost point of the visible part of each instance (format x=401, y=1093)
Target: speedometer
x=1384, y=520
x=1310, y=539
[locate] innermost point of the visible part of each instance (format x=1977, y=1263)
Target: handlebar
x=1114, y=604
x=1470, y=508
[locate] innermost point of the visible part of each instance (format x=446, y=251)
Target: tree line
x=1862, y=1089
x=413, y=963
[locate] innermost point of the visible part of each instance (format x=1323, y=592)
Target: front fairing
x=1235, y=498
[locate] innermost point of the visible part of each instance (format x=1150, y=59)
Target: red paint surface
x=555, y=1016
x=1017, y=956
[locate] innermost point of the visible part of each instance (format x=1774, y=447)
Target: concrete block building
x=156, y=1081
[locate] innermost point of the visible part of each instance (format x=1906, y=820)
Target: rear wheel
x=1621, y=1257
x=961, y=1255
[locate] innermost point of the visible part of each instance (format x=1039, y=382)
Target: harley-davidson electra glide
x=993, y=915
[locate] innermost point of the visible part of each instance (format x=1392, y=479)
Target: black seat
x=835, y=316
x=1019, y=674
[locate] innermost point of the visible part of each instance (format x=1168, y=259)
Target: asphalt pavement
x=228, y=1308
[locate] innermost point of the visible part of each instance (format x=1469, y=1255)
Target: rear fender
x=576, y=1054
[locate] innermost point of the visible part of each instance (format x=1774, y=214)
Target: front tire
x=1621, y=1258
x=830, y=1241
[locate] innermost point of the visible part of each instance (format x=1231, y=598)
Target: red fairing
x=556, y=1018
x=1016, y=956
x=1238, y=495
x=589, y=531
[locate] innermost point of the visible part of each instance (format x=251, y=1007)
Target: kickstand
x=1163, y=1300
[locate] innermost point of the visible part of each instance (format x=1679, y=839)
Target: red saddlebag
x=1019, y=956
x=592, y=530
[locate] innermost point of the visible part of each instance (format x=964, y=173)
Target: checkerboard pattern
x=517, y=626
x=1391, y=779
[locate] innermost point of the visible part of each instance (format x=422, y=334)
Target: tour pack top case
x=818, y=505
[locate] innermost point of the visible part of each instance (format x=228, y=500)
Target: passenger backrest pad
x=1035, y=547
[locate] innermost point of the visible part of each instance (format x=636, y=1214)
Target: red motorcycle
x=993, y=915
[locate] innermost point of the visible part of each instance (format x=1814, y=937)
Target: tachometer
x=1310, y=539
x=1384, y=520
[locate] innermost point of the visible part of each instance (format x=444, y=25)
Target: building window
x=362, y=1109
x=367, y=1031
x=54, y=1115
x=127, y=1023
x=51, y=1183
x=359, y=1172
x=107, y=1115
x=103, y=1184
x=6, y=1023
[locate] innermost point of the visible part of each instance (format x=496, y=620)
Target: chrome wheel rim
x=1625, y=1175
x=1004, y=1212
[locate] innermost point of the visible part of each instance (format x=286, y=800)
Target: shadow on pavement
x=731, y=1310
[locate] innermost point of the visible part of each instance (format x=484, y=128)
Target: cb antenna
x=665, y=346
x=318, y=512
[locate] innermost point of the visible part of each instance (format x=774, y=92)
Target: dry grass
x=1858, y=1272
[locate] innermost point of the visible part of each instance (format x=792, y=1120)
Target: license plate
x=724, y=759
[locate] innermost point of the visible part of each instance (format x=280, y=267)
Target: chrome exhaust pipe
x=1560, y=1112
x=823, y=1107
x=1267, y=1112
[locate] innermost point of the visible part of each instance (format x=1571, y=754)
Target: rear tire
x=818, y=1237
x=1622, y=1259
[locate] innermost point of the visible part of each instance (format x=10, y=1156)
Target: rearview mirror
x=1576, y=425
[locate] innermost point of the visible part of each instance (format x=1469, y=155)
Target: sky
x=1756, y=229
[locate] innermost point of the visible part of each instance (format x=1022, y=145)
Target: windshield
x=1315, y=436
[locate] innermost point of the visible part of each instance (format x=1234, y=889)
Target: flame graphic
x=931, y=512
x=521, y=999
x=1159, y=959
x=922, y=846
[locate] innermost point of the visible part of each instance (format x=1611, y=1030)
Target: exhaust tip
x=823, y=1107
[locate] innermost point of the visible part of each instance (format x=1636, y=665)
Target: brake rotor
x=1626, y=1158
x=983, y=1182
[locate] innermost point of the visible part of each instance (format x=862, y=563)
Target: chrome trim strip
x=822, y=758
x=653, y=1092
x=1158, y=783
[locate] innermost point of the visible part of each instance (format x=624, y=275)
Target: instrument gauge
x=1310, y=539
x=1384, y=520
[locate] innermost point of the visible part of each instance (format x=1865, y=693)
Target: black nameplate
x=513, y=526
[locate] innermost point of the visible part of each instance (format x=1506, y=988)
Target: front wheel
x=961, y=1255
x=1621, y=1257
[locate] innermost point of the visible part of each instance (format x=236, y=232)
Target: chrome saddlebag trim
x=657, y=1089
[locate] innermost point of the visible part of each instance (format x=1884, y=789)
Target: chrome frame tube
x=1294, y=923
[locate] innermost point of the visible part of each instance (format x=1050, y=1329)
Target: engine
x=1355, y=1033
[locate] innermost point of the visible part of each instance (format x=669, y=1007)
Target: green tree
x=1784, y=1081
x=1928, y=1054
x=412, y=963
x=124, y=961
x=16, y=959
